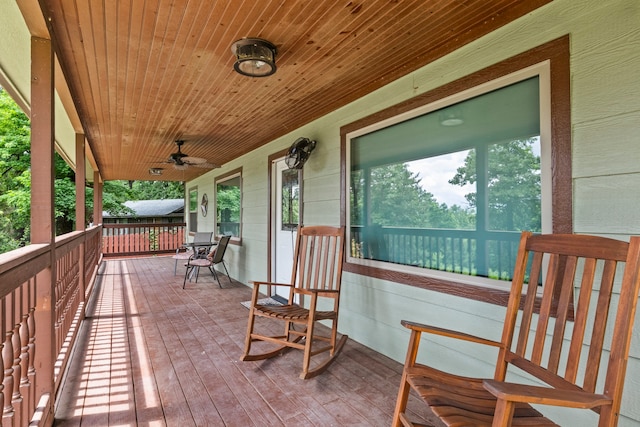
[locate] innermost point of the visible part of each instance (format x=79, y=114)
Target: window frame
x=193, y=213
x=555, y=57
x=236, y=173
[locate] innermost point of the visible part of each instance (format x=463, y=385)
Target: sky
x=435, y=172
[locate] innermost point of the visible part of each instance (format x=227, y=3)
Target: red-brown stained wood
x=178, y=354
x=144, y=73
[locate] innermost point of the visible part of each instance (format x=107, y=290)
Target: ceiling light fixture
x=254, y=57
x=155, y=171
x=451, y=116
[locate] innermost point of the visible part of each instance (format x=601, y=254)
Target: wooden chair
x=544, y=337
x=216, y=256
x=317, y=273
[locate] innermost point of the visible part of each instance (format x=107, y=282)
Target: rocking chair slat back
x=561, y=328
x=319, y=262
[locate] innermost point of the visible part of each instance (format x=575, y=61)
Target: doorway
x=285, y=217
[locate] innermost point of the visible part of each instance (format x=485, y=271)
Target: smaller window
x=290, y=199
x=229, y=205
x=193, y=209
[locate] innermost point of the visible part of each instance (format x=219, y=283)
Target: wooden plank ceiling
x=145, y=73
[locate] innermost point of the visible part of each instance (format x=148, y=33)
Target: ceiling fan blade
x=193, y=160
x=205, y=165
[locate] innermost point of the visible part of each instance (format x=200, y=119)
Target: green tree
x=15, y=183
x=15, y=161
x=513, y=185
x=228, y=200
x=392, y=186
x=157, y=190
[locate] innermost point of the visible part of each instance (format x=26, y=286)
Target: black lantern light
x=254, y=57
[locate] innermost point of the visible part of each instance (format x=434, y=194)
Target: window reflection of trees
x=404, y=211
x=290, y=199
x=228, y=205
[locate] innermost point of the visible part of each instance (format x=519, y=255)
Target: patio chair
x=317, y=273
x=216, y=256
x=201, y=241
x=550, y=336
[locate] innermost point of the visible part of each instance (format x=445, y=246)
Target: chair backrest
x=202, y=237
x=564, y=321
x=220, y=249
x=318, y=258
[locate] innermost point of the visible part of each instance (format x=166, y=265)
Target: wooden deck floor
x=153, y=354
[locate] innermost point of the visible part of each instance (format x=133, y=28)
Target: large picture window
x=442, y=189
x=455, y=186
x=229, y=205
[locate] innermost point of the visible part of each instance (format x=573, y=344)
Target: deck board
x=152, y=354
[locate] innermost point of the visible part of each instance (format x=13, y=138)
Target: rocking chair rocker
x=317, y=272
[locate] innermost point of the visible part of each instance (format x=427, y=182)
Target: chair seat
x=291, y=312
x=459, y=400
x=183, y=255
x=200, y=262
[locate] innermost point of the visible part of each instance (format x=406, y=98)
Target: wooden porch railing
x=136, y=239
x=39, y=317
x=490, y=253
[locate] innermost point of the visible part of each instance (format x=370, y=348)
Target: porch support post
x=97, y=198
x=81, y=212
x=81, y=177
x=42, y=209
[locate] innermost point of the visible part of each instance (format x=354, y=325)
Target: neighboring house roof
x=151, y=208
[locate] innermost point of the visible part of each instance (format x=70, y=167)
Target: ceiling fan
x=181, y=160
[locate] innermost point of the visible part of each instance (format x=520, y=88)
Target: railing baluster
x=133, y=239
x=25, y=383
x=16, y=397
x=460, y=251
x=7, y=382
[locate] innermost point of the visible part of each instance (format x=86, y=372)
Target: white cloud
x=435, y=173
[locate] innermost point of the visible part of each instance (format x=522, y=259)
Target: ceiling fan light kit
x=299, y=152
x=254, y=57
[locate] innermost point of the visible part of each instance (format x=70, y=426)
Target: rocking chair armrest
x=513, y=392
x=257, y=283
x=419, y=327
x=327, y=293
x=320, y=292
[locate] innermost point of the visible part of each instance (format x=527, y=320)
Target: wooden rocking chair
x=543, y=337
x=317, y=272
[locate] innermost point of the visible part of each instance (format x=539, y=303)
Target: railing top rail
x=17, y=257
x=134, y=225
x=21, y=264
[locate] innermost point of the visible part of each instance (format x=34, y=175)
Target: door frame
x=270, y=207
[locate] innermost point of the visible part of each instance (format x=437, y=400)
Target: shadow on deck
x=153, y=354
